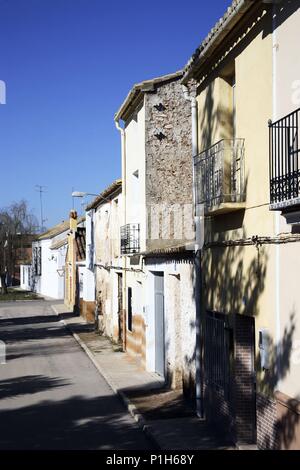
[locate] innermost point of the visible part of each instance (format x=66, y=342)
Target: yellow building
x=233, y=71
x=75, y=262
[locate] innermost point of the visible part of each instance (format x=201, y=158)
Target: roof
x=57, y=229
x=59, y=244
x=136, y=91
x=215, y=37
x=54, y=231
x=106, y=194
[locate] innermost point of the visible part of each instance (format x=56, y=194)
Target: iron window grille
x=284, y=159
x=130, y=239
x=219, y=173
x=37, y=261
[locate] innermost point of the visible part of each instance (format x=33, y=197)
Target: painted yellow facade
x=247, y=77
x=70, y=266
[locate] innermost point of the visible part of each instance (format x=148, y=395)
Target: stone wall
x=168, y=166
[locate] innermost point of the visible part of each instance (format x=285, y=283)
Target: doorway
x=120, y=308
x=159, y=323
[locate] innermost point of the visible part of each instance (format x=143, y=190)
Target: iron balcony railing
x=219, y=173
x=130, y=239
x=284, y=159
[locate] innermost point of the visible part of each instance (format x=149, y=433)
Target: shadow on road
x=37, y=327
x=74, y=423
x=29, y=384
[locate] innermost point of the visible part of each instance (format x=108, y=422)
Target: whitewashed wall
x=26, y=276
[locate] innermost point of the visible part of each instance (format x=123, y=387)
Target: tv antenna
x=41, y=189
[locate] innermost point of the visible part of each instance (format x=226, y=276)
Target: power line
x=41, y=189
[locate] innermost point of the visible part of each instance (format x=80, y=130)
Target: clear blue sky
x=68, y=65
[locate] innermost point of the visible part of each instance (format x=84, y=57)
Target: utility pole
x=41, y=189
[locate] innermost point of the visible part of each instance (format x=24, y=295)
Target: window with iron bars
x=37, y=260
x=130, y=239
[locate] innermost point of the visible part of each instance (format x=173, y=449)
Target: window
x=130, y=239
x=37, y=260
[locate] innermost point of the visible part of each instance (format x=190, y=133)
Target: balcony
x=130, y=239
x=219, y=176
x=284, y=163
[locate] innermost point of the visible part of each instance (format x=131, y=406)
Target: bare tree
x=17, y=224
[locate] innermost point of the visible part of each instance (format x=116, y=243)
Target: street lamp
x=83, y=194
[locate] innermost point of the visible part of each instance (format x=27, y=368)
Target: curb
x=131, y=408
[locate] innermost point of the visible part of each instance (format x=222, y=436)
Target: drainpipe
x=277, y=214
x=124, y=259
x=198, y=246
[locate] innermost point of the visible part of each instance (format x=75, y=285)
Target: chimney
x=73, y=220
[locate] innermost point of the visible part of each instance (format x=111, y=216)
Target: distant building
x=75, y=262
x=105, y=260
x=48, y=261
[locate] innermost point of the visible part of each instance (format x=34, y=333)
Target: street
x=51, y=394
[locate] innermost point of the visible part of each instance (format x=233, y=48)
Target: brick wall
x=266, y=422
x=244, y=379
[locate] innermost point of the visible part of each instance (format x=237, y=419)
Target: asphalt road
x=51, y=394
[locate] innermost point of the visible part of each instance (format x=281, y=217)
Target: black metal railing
x=219, y=173
x=130, y=239
x=284, y=159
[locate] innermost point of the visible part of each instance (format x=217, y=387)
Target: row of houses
x=190, y=261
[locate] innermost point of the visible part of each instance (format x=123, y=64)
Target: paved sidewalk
x=162, y=413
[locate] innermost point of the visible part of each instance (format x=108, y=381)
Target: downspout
x=124, y=258
x=277, y=214
x=198, y=281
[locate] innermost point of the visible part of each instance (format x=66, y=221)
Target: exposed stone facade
x=169, y=175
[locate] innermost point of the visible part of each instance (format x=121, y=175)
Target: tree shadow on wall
x=288, y=417
x=234, y=279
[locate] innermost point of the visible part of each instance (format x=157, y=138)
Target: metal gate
x=217, y=353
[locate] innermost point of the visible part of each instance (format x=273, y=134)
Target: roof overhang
x=108, y=193
x=135, y=95
x=218, y=33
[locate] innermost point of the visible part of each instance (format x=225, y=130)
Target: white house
x=103, y=259
x=48, y=261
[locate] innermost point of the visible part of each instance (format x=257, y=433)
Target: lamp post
x=83, y=194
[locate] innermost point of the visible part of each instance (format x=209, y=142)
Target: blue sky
x=68, y=65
